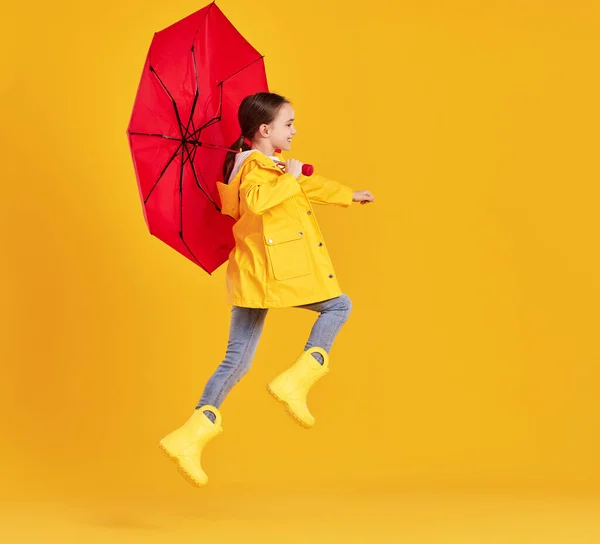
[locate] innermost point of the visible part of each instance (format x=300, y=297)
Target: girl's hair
x=255, y=110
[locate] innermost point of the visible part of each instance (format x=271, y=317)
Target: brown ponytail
x=240, y=143
x=255, y=110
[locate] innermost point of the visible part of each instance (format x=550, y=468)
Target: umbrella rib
x=192, y=254
x=205, y=16
x=218, y=117
x=155, y=135
x=206, y=125
x=183, y=161
x=242, y=69
x=172, y=100
x=191, y=161
x=197, y=93
x=190, y=121
x=162, y=173
x=193, y=164
x=181, y=197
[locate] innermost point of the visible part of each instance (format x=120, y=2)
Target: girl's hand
x=294, y=167
x=364, y=197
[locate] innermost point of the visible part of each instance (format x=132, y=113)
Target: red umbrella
x=197, y=72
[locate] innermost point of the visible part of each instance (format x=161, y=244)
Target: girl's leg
x=185, y=444
x=244, y=333
x=292, y=386
x=333, y=314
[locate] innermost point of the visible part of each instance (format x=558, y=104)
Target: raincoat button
x=308, y=212
x=300, y=233
x=270, y=241
x=320, y=244
x=331, y=275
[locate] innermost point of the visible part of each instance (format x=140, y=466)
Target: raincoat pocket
x=287, y=252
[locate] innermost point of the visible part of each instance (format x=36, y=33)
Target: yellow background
x=471, y=359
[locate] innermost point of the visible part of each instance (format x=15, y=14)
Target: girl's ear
x=264, y=130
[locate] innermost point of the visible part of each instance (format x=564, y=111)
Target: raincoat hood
x=230, y=192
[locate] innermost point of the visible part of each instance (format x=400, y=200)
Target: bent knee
x=346, y=304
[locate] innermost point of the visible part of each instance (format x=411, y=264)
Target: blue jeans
x=245, y=331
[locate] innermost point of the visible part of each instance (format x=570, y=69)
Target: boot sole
x=186, y=475
x=288, y=409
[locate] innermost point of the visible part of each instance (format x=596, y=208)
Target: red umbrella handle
x=308, y=169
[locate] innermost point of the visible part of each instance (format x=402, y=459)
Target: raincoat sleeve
x=261, y=194
x=321, y=190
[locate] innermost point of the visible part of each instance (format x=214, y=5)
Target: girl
x=279, y=260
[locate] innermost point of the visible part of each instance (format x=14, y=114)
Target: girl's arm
x=261, y=194
x=321, y=190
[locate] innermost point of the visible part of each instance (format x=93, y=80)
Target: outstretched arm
x=321, y=190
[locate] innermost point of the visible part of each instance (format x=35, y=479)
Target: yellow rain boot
x=291, y=387
x=184, y=445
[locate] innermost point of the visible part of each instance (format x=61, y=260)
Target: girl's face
x=281, y=131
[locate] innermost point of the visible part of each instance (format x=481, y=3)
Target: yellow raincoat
x=280, y=258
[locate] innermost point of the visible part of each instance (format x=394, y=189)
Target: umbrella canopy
x=184, y=118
